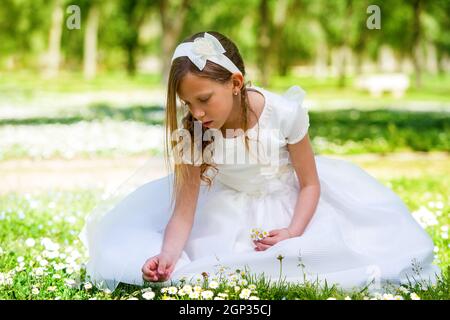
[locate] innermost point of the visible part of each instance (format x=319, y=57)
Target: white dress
x=361, y=233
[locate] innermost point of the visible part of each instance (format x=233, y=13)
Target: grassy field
x=48, y=143
x=42, y=258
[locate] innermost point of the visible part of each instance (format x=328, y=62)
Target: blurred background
x=82, y=83
x=83, y=86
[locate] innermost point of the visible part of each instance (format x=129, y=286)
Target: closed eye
x=201, y=100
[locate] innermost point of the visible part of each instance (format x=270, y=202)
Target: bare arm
x=302, y=157
x=180, y=224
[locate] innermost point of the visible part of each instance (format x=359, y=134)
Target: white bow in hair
x=202, y=49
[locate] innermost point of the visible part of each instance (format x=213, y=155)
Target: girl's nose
x=200, y=114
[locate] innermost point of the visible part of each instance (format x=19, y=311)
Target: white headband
x=202, y=49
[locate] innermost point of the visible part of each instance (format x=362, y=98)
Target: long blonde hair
x=179, y=68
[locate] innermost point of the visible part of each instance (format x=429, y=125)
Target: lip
x=208, y=123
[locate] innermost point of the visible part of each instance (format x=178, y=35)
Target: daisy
x=245, y=293
x=208, y=294
x=30, y=242
x=149, y=295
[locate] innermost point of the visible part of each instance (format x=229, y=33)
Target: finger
x=149, y=278
x=153, y=265
x=170, y=269
x=162, y=267
x=263, y=246
x=165, y=272
x=273, y=232
x=149, y=265
x=268, y=241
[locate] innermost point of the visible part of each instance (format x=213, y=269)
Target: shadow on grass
x=147, y=114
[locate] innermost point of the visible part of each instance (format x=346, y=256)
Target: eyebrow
x=202, y=95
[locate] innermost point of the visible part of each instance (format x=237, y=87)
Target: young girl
x=247, y=191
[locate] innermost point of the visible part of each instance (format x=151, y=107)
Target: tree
x=54, y=39
x=90, y=41
x=172, y=20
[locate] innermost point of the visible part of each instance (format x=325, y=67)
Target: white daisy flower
x=403, y=289
x=258, y=234
x=43, y=263
x=88, y=286
x=172, y=290
x=187, y=288
x=207, y=294
x=39, y=272
x=197, y=289
x=245, y=293
x=414, y=296
x=70, y=283
x=149, y=295
x=30, y=242
x=194, y=295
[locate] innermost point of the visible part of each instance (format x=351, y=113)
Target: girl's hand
x=274, y=237
x=158, y=268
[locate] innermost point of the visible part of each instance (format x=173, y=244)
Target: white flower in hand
x=258, y=234
x=273, y=237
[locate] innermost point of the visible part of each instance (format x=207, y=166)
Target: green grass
x=58, y=216
x=341, y=132
x=29, y=84
x=434, y=88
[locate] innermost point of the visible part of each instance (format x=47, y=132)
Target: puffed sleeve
x=296, y=122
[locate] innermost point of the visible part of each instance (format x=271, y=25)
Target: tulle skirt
x=361, y=233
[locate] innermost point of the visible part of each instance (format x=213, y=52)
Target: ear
x=237, y=81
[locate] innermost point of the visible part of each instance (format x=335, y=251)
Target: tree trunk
x=342, y=81
x=171, y=26
x=279, y=22
x=90, y=43
x=321, y=60
x=416, y=35
x=131, y=50
x=264, y=43
x=54, y=43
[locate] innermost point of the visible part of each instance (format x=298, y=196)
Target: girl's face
x=207, y=100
